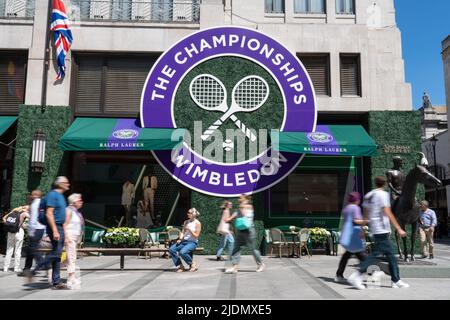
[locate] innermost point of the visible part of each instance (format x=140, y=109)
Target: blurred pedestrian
x=73, y=228
x=378, y=209
x=36, y=231
x=13, y=224
x=245, y=235
x=351, y=234
x=53, y=207
x=427, y=224
x=224, y=229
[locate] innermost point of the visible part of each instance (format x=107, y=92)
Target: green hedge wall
x=392, y=129
x=53, y=120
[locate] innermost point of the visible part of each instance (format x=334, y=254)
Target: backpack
x=12, y=223
x=42, y=219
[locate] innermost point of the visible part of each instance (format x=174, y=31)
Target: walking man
x=427, y=223
x=54, y=205
x=35, y=232
x=377, y=209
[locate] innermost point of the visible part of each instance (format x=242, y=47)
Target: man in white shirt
x=377, y=209
x=35, y=231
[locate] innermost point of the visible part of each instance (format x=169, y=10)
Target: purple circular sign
x=192, y=169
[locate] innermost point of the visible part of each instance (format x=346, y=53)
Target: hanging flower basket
x=121, y=238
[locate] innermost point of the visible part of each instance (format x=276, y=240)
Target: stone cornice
x=446, y=48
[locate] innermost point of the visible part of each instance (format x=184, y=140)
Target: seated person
x=187, y=242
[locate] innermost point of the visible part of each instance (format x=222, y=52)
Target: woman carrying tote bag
x=351, y=235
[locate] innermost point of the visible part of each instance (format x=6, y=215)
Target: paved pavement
x=285, y=278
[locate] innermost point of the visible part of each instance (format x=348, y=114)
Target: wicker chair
x=303, y=237
x=278, y=241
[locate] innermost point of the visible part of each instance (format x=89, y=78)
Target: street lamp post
x=433, y=141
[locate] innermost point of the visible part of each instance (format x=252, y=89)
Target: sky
x=424, y=25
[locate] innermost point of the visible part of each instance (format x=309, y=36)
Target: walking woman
x=73, y=229
x=351, y=235
x=245, y=235
x=225, y=231
x=14, y=227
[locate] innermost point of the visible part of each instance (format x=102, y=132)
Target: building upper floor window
x=274, y=6
x=136, y=10
x=318, y=67
x=309, y=6
x=350, y=75
x=13, y=67
x=345, y=6
x=109, y=85
x=17, y=9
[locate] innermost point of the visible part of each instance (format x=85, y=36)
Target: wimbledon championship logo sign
x=229, y=88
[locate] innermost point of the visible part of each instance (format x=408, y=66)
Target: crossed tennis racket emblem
x=210, y=94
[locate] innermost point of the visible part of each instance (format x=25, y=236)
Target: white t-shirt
x=374, y=202
x=74, y=225
x=189, y=228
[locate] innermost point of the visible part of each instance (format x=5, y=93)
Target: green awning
x=5, y=123
x=93, y=134
x=346, y=140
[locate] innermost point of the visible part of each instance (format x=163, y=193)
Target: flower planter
x=320, y=249
x=121, y=238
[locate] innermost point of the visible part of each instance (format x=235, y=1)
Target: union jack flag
x=62, y=34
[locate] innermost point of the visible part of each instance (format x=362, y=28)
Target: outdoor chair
x=145, y=241
x=303, y=238
x=278, y=241
x=335, y=235
x=268, y=241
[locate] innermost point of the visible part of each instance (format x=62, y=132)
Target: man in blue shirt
x=55, y=205
x=427, y=223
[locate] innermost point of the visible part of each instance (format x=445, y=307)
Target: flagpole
x=46, y=56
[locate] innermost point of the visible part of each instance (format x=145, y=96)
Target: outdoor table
x=293, y=235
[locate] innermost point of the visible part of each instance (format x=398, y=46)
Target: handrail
x=137, y=10
x=17, y=9
x=173, y=209
x=96, y=224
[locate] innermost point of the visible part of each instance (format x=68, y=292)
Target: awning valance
x=94, y=134
x=5, y=123
x=345, y=140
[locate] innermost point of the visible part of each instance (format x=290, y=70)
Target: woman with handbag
x=226, y=236
x=245, y=235
x=352, y=235
x=73, y=229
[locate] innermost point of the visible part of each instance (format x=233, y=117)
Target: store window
x=109, y=85
x=100, y=178
x=309, y=193
x=350, y=75
x=318, y=67
x=12, y=81
x=309, y=6
x=345, y=6
x=274, y=6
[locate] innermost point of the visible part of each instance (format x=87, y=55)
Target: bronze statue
x=426, y=101
x=406, y=208
x=396, y=178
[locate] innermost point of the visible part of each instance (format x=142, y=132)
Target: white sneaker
x=340, y=279
x=355, y=281
x=377, y=275
x=260, y=268
x=232, y=269
x=74, y=285
x=18, y=270
x=399, y=284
